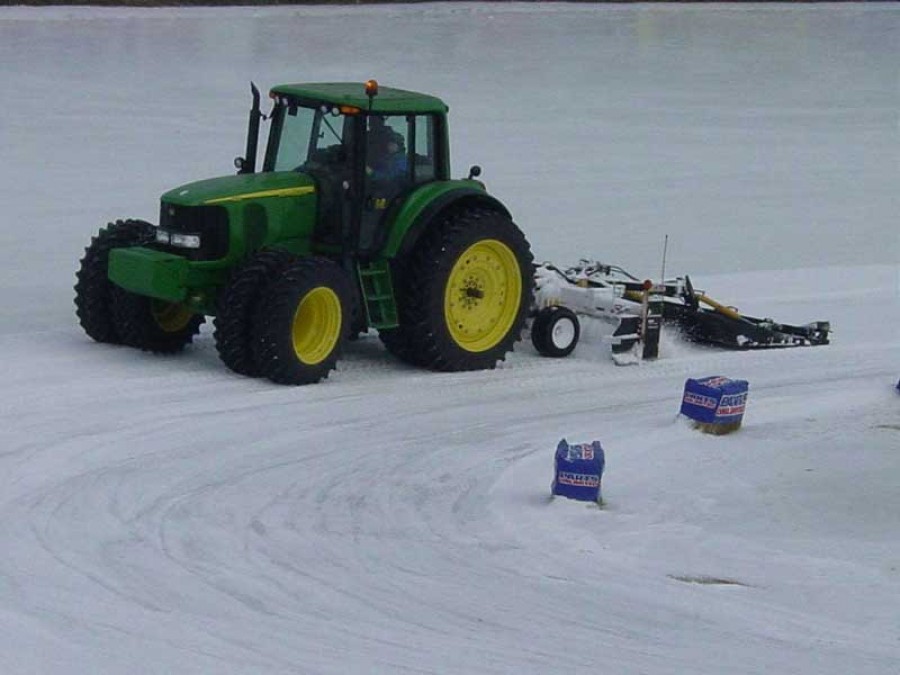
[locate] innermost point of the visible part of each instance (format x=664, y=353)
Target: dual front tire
x=110, y=314
x=300, y=327
x=284, y=318
x=152, y=325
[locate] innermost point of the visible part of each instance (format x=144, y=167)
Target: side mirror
x=474, y=172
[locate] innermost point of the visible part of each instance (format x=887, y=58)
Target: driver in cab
x=386, y=151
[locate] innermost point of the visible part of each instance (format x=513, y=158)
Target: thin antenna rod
x=665, y=248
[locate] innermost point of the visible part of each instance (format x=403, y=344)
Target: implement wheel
x=302, y=322
x=464, y=293
x=555, y=331
x=93, y=289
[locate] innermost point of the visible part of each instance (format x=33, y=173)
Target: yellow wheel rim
x=317, y=325
x=483, y=294
x=171, y=317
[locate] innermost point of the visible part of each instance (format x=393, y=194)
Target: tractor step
x=378, y=294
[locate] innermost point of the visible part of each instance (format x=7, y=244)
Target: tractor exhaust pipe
x=247, y=163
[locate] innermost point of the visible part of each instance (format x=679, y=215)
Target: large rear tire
x=152, y=325
x=93, y=289
x=237, y=303
x=302, y=323
x=464, y=293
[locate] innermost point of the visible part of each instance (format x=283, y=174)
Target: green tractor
x=353, y=223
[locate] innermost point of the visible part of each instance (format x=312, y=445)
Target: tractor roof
x=354, y=94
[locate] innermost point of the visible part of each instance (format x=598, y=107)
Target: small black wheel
x=152, y=325
x=237, y=303
x=555, y=331
x=93, y=287
x=302, y=322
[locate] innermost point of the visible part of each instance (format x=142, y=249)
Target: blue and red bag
x=578, y=470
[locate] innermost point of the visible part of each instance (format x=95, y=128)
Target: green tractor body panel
x=353, y=94
x=236, y=189
x=255, y=210
x=166, y=276
x=263, y=209
x=419, y=208
x=148, y=272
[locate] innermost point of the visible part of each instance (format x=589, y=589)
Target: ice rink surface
x=162, y=515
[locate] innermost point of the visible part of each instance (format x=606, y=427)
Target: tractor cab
x=365, y=147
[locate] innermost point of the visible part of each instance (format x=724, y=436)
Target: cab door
x=400, y=154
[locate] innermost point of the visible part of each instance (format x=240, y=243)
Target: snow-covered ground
x=162, y=515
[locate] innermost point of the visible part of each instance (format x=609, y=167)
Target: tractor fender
x=428, y=203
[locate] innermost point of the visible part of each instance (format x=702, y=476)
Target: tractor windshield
x=305, y=136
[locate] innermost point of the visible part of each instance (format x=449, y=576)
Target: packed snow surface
x=163, y=515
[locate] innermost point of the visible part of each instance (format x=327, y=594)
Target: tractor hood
x=232, y=189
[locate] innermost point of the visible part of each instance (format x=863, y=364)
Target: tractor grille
x=210, y=222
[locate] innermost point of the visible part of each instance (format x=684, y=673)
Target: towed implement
x=637, y=309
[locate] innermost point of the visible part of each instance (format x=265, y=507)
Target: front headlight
x=194, y=232
x=178, y=239
x=185, y=240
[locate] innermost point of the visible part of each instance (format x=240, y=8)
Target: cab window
x=402, y=147
x=309, y=137
x=425, y=159
x=294, y=141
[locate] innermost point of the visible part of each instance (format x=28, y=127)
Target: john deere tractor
x=353, y=222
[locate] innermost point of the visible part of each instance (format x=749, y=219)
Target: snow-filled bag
x=578, y=470
x=716, y=401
